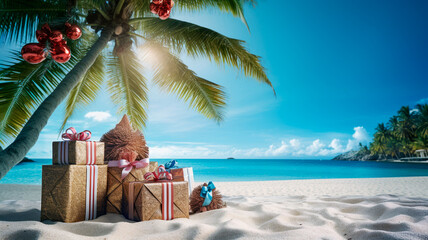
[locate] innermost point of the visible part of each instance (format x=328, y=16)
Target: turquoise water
x=256, y=170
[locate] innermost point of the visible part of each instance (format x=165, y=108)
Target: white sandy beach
x=376, y=208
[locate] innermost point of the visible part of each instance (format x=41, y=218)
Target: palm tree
x=393, y=147
x=421, y=142
x=380, y=138
x=406, y=126
x=422, y=120
x=30, y=93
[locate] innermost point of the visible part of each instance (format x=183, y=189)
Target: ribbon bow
x=128, y=165
x=72, y=135
x=171, y=164
x=159, y=174
x=206, y=193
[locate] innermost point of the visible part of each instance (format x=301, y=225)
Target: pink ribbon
x=72, y=135
x=158, y=174
x=127, y=165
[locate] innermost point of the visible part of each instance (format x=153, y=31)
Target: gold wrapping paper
x=114, y=184
x=77, y=153
x=147, y=200
x=64, y=192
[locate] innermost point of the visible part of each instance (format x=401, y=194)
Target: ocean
x=254, y=170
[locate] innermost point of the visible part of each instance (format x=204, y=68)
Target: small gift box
x=72, y=193
x=77, y=150
x=163, y=200
x=125, y=170
x=180, y=174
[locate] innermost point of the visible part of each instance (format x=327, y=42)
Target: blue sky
x=338, y=67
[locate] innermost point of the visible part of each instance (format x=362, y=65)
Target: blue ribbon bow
x=206, y=193
x=171, y=164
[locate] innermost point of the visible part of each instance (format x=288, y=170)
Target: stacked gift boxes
x=74, y=187
x=82, y=185
x=117, y=175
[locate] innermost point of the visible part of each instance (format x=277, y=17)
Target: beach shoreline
x=359, y=208
x=402, y=186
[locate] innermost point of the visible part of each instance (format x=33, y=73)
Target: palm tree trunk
x=29, y=134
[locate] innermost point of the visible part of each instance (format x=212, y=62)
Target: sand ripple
x=269, y=213
x=378, y=217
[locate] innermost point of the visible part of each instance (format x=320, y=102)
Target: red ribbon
x=127, y=165
x=72, y=135
x=159, y=174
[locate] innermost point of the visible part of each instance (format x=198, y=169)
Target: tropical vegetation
x=402, y=134
x=115, y=32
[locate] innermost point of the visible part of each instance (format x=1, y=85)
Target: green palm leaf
x=86, y=90
x=128, y=87
x=19, y=19
x=22, y=88
x=203, y=42
x=173, y=76
x=236, y=7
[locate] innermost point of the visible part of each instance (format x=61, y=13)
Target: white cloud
x=360, y=136
x=173, y=151
x=298, y=148
x=294, y=148
x=99, y=116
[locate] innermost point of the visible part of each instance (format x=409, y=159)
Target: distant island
x=357, y=156
x=23, y=160
x=403, y=138
x=26, y=160
x=230, y=158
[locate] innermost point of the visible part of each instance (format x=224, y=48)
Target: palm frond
x=102, y=6
x=128, y=87
x=22, y=88
x=199, y=41
x=86, y=90
x=235, y=7
x=19, y=19
x=173, y=76
x=90, y=4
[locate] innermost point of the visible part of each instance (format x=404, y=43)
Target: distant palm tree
x=393, y=147
x=422, y=119
x=381, y=137
x=421, y=142
x=404, y=133
x=406, y=125
x=29, y=94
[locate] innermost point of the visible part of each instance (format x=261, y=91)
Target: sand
x=377, y=208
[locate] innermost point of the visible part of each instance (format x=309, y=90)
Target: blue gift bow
x=171, y=164
x=206, y=192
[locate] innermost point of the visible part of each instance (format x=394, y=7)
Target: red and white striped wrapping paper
x=91, y=191
x=167, y=201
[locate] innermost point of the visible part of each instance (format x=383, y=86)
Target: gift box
x=163, y=200
x=72, y=193
x=183, y=174
x=77, y=152
x=115, y=181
